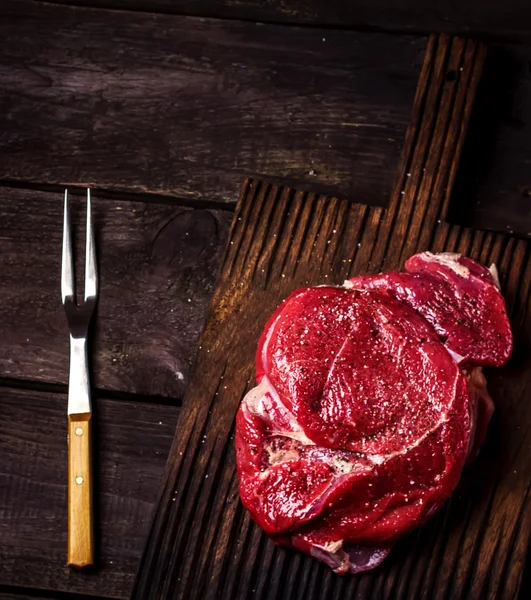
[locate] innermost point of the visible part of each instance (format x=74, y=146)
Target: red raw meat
x=459, y=298
x=362, y=419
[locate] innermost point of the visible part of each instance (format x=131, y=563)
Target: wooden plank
x=484, y=17
x=15, y=596
x=496, y=198
x=190, y=107
x=131, y=446
x=202, y=543
x=17, y=593
x=157, y=266
x=494, y=187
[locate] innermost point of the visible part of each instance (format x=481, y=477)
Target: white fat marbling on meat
x=494, y=272
x=376, y=459
x=342, y=466
x=349, y=560
x=348, y=284
x=457, y=357
x=254, y=403
x=331, y=546
x=448, y=259
x=280, y=455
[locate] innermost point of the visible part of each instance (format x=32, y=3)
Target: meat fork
x=80, y=510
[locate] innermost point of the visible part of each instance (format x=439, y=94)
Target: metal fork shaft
x=78, y=386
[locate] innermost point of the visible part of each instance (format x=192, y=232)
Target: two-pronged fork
x=80, y=511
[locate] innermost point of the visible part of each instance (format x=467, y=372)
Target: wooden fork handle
x=80, y=509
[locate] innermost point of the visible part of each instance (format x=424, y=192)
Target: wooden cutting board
x=202, y=543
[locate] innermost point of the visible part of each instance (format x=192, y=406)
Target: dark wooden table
x=165, y=113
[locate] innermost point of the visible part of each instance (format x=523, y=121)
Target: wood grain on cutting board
x=202, y=543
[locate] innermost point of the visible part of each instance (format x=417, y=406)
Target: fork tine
x=91, y=274
x=67, y=264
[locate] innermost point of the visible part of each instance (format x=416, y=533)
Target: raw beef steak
x=459, y=298
x=363, y=419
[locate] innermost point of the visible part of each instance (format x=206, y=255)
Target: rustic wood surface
x=490, y=18
x=173, y=106
x=202, y=543
x=259, y=95
x=157, y=267
x=131, y=443
x=16, y=593
x=20, y=594
x=190, y=107
x=494, y=187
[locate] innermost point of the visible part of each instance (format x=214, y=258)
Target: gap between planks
x=121, y=195
x=97, y=394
